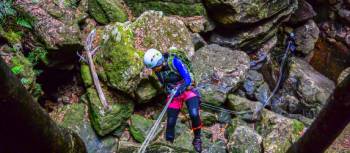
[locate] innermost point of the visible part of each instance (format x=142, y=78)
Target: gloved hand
x=175, y=91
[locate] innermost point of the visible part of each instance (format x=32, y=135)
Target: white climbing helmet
x=153, y=58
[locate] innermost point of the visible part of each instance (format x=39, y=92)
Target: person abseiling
x=174, y=74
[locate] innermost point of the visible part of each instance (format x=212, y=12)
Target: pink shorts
x=178, y=101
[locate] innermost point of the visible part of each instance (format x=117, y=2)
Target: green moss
x=74, y=115
x=104, y=120
x=139, y=127
x=120, y=61
x=169, y=8
x=106, y=11
x=11, y=36
x=86, y=75
x=297, y=127
x=23, y=68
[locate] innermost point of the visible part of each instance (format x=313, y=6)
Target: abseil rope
x=284, y=60
x=220, y=109
x=155, y=126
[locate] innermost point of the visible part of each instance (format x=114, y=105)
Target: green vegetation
x=6, y=10
x=37, y=55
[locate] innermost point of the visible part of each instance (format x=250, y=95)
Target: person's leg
x=171, y=122
x=193, y=110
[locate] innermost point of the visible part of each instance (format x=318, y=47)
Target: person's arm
x=184, y=73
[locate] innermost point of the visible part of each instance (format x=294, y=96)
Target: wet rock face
x=243, y=11
x=182, y=7
x=154, y=30
x=306, y=37
x=245, y=139
x=75, y=118
x=106, y=11
x=217, y=71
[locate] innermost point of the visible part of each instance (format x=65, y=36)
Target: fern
x=24, y=23
x=6, y=10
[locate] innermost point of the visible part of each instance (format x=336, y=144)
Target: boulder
x=198, y=24
x=128, y=147
x=344, y=14
x=106, y=11
x=146, y=90
x=312, y=88
x=74, y=117
x=215, y=147
x=154, y=30
x=182, y=142
x=105, y=120
x=255, y=86
x=245, y=139
x=244, y=12
x=278, y=132
x=217, y=71
x=55, y=27
x=304, y=12
x=237, y=103
x=198, y=41
x=208, y=118
x=306, y=37
x=182, y=7
x=118, y=62
x=140, y=126
x=250, y=38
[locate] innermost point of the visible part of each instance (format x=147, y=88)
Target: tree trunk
x=332, y=119
x=25, y=126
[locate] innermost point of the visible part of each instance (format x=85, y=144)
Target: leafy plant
x=24, y=22
x=6, y=10
x=17, y=69
x=38, y=54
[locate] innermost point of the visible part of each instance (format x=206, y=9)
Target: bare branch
x=89, y=49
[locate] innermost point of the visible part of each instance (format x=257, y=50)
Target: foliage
x=17, y=69
x=6, y=10
x=24, y=22
x=38, y=54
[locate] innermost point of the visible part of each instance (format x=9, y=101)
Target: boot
x=197, y=144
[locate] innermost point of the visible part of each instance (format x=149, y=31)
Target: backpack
x=180, y=54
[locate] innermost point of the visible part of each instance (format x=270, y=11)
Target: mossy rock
x=106, y=120
x=10, y=36
x=208, y=118
x=74, y=117
x=86, y=75
x=118, y=63
x=246, y=11
x=146, y=90
x=106, y=11
x=279, y=132
x=139, y=127
x=154, y=30
x=245, y=139
x=181, y=8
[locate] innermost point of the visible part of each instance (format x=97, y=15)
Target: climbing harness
x=290, y=47
x=155, y=126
